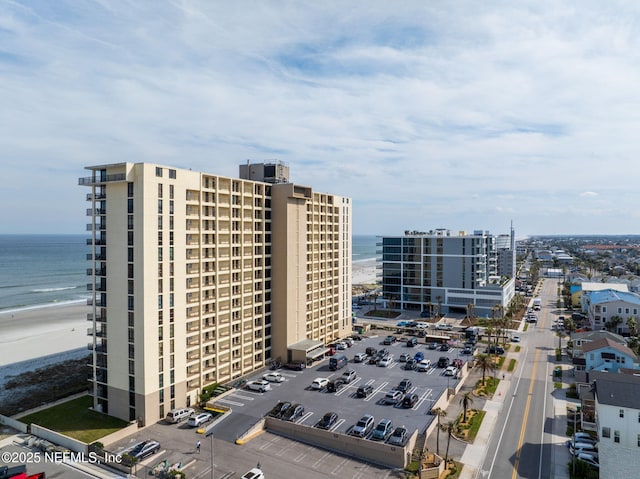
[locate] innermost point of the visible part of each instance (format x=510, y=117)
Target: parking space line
x=304, y=418
x=370, y=381
x=270, y=442
x=319, y=461
x=375, y=391
x=300, y=457
x=338, y=423
x=227, y=401
x=361, y=472
x=338, y=467
x=422, y=399
x=291, y=445
x=240, y=396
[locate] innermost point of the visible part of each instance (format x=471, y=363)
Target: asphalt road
x=520, y=446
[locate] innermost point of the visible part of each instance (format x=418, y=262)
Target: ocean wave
x=52, y=304
x=49, y=290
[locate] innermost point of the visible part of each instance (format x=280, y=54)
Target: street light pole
x=211, y=437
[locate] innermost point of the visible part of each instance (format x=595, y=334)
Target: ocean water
x=38, y=270
x=364, y=247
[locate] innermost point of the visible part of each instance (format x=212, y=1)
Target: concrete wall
x=116, y=436
x=59, y=439
x=372, y=451
x=15, y=424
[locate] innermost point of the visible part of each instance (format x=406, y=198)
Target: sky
x=461, y=115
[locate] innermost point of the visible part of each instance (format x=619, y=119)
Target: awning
x=316, y=353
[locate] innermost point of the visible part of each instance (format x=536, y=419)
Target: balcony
x=97, y=227
x=97, y=242
x=98, y=302
x=100, y=180
x=99, y=348
x=97, y=271
x=99, y=318
x=96, y=211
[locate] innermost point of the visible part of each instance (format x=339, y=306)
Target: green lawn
x=476, y=421
x=74, y=419
x=512, y=365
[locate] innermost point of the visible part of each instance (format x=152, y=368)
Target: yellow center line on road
x=526, y=416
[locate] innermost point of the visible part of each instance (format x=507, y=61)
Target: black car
x=364, y=391
x=411, y=364
x=410, y=400
x=295, y=365
x=278, y=409
x=404, y=385
x=433, y=345
x=144, y=449
x=494, y=350
x=335, y=386
x=371, y=351
x=444, y=347
x=389, y=340
x=467, y=350
x=443, y=362
x=411, y=342
x=293, y=413
x=328, y=420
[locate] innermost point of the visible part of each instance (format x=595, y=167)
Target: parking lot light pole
x=211, y=437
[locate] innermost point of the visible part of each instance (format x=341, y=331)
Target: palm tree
x=439, y=300
x=449, y=428
x=613, y=323
x=485, y=363
x=438, y=413
x=466, y=400
x=632, y=324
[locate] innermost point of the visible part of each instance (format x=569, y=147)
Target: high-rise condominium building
x=199, y=279
x=439, y=272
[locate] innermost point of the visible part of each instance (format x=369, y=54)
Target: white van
x=178, y=415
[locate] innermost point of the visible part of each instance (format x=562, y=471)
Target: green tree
x=632, y=324
x=449, y=428
x=438, y=413
x=484, y=362
x=613, y=323
x=466, y=400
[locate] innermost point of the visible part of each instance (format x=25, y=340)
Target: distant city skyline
x=428, y=115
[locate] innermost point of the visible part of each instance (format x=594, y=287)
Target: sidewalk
x=474, y=455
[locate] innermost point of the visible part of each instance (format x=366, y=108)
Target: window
x=172, y=174
x=616, y=436
x=606, y=432
x=158, y=171
x=621, y=413
x=129, y=189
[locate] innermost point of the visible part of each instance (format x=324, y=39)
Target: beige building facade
x=199, y=279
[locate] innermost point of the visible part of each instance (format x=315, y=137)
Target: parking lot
x=178, y=441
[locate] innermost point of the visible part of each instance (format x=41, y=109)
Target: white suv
x=199, y=419
x=259, y=385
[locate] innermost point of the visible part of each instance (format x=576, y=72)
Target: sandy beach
x=363, y=272
x=32, y=333
x=33, y=337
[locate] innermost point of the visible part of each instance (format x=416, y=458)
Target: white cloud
x=586, y=194
x=461, y=116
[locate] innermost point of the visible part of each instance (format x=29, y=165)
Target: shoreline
x=58, y=328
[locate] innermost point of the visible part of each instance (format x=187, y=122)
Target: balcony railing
x=99, y=318
x=97, y=180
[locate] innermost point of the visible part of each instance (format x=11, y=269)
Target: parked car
x=145, y=449
x=404, y=385
x=393, y=397
x=273, y=377
x=328, y=420
x=443, y=362
x=450, y=371
x=404, y=357
x=255, y=473
x=419, y=356
x=433, y=345
x=444, y=347
x=348, y=376
x=444, y=327
x=411, y=342
x=199, y=419
x=389, y=340
x=293, y=413
x=371, y=351
x=295, y=365
x=259, y=385
x=383, y=430
x=457, y=362
x=584, y=437
x=409, y=400
x=515, y=339
x=335, y=386
x=402, y=324
x=580, y=447
x=364, y=426
x=348, y=342
x=364, y=391
x=180, y=414
x=341, y=345
x=424, y=365
x=398, y=436
x=589, y=459
x=319, y=383
x=384, y=362
x=410, y=365
x=467, y=350
x=278, y=409
x=359, y=357
x=493, y=349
